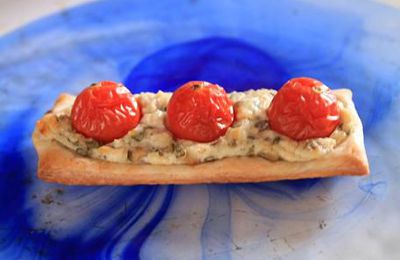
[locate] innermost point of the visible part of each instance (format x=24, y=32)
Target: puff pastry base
x=61, y=165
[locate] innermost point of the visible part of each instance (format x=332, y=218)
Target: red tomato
x=105, y=111
x=199, y=111
x=304, y=108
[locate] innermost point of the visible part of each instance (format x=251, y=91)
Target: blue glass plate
x=240, y=45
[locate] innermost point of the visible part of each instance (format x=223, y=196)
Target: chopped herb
x=251, y=150
x=261, y=125
x=195, y=86
x=312, y=145
x=232, y=142
x=76, y=142
x=317, y=89
x=92, y=144
x=210, y=159
x=61, y=118
x=138, y=137
x=81, y=151
x=160, y=153
x=178, y=150
x=276, y=140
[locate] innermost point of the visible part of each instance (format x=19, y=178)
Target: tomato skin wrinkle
x=105, y=111
x=304, y=108
x=199, y=111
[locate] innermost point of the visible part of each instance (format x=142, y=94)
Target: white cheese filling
x=151, y=143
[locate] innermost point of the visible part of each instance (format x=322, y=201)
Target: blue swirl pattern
x=237, y=45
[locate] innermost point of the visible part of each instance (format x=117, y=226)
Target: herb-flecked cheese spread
x=250, y=135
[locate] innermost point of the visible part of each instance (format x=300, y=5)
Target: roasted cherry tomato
x=304, y=108
x=199, y=111
x=105, y=111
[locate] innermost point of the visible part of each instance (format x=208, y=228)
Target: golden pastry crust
x=62, y=165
